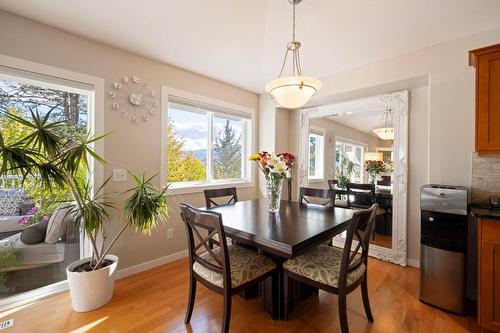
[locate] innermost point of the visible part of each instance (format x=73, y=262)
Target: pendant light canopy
x=386, y=129
x=293, y=91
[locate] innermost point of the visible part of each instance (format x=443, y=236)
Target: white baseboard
x=150, y=264
x=413, y=262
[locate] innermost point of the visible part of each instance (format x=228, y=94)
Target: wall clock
x=132, y=98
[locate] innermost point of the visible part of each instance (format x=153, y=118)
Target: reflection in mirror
x=363, y=167
x=359, y=149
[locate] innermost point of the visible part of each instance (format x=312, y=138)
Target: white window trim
x=52, y=75
x=196, y=187
x=321, y=132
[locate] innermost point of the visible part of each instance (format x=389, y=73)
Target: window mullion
x=210, y=146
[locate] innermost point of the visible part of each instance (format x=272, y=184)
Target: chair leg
x=366, y=300
x=226, y=318
x=286, y=298
x=191, y=297
x=344, y=326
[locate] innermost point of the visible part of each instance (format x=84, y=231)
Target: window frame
x=320, y=133
x=171, y=94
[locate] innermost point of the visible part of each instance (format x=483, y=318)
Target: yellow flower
x=254, y=157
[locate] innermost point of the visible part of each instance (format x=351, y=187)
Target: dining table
x=295, y=229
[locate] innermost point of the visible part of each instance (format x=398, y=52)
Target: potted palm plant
x=345, y=168
x=59, y=159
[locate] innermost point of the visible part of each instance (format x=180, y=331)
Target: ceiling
x=361, y=114
x=243, y=42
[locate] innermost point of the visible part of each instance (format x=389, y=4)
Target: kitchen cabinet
x=489, y=274
x=486, y=60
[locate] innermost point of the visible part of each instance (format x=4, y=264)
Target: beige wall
x=131, y=146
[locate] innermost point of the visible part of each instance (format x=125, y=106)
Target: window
x=350, y=157
x=206, y=144
x=316, y=153
x=28, y=267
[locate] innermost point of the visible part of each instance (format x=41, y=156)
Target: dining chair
x=229, y=192
x=386, y=181
x=335, y=270
x=231, y=196
x=338, y=200
x=360, y=195
x=226, y=269
x=306, y=193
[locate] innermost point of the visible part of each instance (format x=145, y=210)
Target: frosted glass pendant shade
x=374, y=156
x=385, y=133
x=293, y=91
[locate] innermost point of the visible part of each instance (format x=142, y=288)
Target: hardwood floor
x=155, y=301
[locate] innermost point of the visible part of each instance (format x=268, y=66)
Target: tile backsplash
x=485, y=177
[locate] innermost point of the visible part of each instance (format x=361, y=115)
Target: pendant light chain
x=293, y=91
x=292, y=46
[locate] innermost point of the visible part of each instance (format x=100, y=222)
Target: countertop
x=483, y=210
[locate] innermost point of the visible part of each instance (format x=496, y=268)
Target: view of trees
x=19, y=99
x=70, y=107
x=182, y=167
x=227, y=154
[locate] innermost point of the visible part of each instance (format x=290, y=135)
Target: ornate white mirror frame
x=398, y=102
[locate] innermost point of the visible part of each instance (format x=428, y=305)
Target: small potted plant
x=59, y=159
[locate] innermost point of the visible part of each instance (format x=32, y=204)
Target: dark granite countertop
x=484, y=210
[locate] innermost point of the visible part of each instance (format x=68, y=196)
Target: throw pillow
x=35, y=233
x=11, y=201
x=58, y=223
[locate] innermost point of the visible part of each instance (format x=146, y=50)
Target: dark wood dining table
x=296, y=229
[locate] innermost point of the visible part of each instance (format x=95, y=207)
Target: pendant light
x=386, y=129
x=293, y=91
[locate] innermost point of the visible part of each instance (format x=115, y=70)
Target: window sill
x=316, y=180
x=190, y=189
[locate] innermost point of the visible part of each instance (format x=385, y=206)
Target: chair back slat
x=360, y=227
x=332, y=183
x=219, y=193
x=201, y=226
x=306, y=193
x=360, y=195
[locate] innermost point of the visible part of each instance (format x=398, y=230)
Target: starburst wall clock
x=132, y=98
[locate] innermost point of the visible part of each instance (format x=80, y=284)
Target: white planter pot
x=91, y=290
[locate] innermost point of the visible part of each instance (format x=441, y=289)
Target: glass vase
x=273, y=190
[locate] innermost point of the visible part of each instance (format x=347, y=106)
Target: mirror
x=359, y=148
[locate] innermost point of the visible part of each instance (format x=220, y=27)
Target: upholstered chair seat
x=245, y=265
x=322, y=264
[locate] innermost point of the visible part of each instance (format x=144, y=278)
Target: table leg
x=273, y=292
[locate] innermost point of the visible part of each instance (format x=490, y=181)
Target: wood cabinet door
x=488, y=103
x=490, y=285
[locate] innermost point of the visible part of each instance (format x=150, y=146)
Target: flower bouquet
x=275, y=167
x=374, y=168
